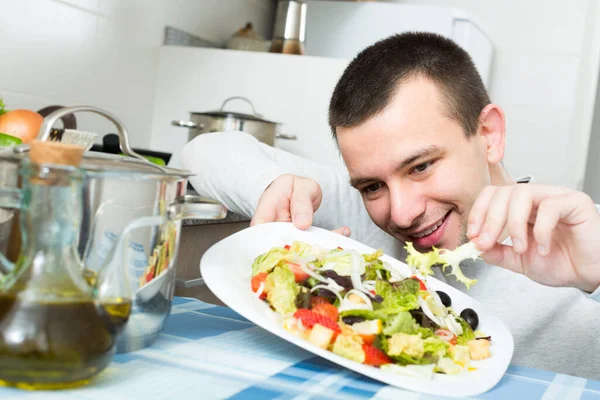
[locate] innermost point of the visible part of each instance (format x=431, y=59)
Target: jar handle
x=10, y=198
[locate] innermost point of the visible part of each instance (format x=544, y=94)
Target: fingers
x=518, y=218
x=289, y=198
x=273, y=205
x=512, y=207
x=479, y=211
x=305, y=200
x=566, y=208
x=343, y=231
x=503, y=256
x=496, y=217
x=266, y=210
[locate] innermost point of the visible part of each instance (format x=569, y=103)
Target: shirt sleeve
x=234, y=168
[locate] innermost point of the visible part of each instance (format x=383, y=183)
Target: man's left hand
x=555, y=233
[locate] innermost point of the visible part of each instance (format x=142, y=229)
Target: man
x=423, y=146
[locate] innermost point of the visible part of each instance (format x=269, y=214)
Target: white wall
x=544, y=76
x=289, y=89
x=105, y=52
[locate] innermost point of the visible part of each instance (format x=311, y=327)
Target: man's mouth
x=430, y=230
x=430, y=236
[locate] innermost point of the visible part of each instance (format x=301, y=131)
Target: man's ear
x=492, y=129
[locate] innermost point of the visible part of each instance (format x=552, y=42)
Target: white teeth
x=430, y=230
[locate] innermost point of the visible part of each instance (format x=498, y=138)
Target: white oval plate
x=227, y=268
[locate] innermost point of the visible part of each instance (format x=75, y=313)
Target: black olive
x=446, y=300
x=469, y=315
x=351, y=319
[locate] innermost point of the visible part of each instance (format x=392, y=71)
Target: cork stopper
x=43, y=152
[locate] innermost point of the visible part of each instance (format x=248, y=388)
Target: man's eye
x=372, y=188
x=422, y=167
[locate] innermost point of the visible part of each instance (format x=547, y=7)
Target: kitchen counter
x=231, y=217
x=211, y=352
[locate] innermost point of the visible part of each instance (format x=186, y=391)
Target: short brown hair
x=370, y=81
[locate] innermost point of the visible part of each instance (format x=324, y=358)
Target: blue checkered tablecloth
x=210, y=352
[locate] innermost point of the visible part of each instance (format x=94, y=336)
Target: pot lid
x=103, y=163
x=221, y=113
x=231, y=114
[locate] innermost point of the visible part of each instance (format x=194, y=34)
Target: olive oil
x=56, y=345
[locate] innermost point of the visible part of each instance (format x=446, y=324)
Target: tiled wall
x=105, y=52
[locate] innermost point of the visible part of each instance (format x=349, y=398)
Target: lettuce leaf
x=401, y=322
x=282, y=290
x=397, y=297
x=467, y=334
x=447, y=258
x=342, y=262
x=267, y=261
x=371, y=271
x=373, y=256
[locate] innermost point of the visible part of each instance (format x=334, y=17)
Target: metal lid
x=232, y=114
x=131, y=163
x=103, y=163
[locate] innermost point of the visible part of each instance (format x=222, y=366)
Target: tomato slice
x=374, y=356
x=314, y=300
x=327, y=309
x=299, y=273
x=421, y=284
x=256, y=281
x=287, y=247
x=446, y=336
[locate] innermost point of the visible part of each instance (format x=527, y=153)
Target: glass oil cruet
x=55, y=331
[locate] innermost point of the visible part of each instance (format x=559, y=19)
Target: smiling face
x=417, y=171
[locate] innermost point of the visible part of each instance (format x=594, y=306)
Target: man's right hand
x=291, y=198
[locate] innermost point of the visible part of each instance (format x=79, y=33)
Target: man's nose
x=407, y=204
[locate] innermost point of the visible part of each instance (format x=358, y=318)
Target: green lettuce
x=342, y=262
x=267, y=261
x=397, y=297
x=282, y=290
x=373, y=256
x=401, y=322
x=467, y=334
x=371, y=271
x=446, y=258
x=436, y=347
x=366, y=314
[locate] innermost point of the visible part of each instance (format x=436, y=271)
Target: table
x=211, y=352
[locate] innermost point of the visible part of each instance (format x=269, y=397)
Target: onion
x=24, y=124
x=330, y=289
x=334, y=285
x=395, y=272
x=369, y=285
x=366, y=299
x=378, y=273
x=453, y=326
x=427, y=311
x=260, y=290
x=310, y=272
x=355, y=275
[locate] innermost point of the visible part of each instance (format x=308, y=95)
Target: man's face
x=418, y=173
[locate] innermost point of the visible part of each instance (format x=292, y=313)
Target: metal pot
x=117, y=192
x=226, y=121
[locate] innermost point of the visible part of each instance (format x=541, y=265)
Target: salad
x=370, y=311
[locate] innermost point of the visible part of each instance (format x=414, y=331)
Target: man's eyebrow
x=422, y=153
